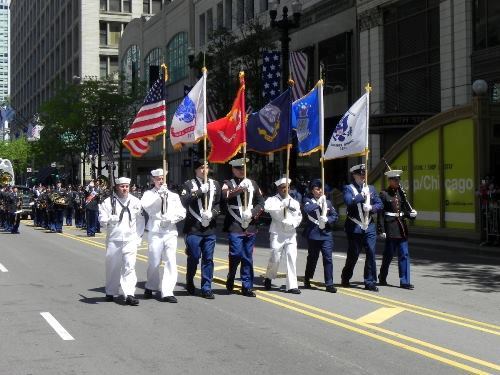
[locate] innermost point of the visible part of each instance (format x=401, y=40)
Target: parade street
x=54, y=318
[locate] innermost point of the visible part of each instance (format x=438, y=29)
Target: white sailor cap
x=157, y=172
x=393, y=173
x=282, y=180
x=358, y=168
x=238, y=162
x=122, y=180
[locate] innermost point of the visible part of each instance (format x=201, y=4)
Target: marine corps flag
x=268, y=130
x=227, y=134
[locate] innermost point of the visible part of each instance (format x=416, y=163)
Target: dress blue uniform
x=360, y=229
x=92, y=200
x=319, y=237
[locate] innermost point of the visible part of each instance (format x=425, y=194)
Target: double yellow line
x=423, y=348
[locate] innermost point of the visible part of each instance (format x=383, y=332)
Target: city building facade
x=4, y=50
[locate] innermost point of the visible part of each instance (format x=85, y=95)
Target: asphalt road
x=449, y=324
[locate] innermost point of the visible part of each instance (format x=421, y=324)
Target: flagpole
x=322, y=141
x=368, y=89
x=243, y=120
x=205, y=167
x=291, y=82
x=165, y=165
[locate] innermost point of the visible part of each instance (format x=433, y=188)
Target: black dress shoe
x=307, y=283
x=170, y=299
x=190, y=288
x=345, y=283
x=407, y=286
x=382, y=282
x=148, y=293
x=230, y=284
x=109, y=298
x=208, y=294
x=294, y=291
x=371, y=288
x=267, y=283
x=248, y=292
x=331, y=289
x=131, y=300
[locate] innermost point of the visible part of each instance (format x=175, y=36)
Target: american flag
x=93, y=145
x=271, y=75
x=149, y=122
x=107, y=144
x=298, y=72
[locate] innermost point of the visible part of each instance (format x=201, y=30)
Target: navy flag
x=268, y=130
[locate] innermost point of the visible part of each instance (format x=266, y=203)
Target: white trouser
x=120, y=267
x=162, y=246
x=282, y=244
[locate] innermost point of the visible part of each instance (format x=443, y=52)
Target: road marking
x=2, y=268
x=56, y=326
x=220, y=268
x=380, y=315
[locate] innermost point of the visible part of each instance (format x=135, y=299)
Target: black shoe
x=294, y=291
x=109, y=298
x=371, y=287
x=230, y=284
x=148, y=293
x=131, y=300
x=307, y=283
x=267, y=283
x=248, y=292
x=407, y=286
x=190, y=288
x=170, y=299
x=208, y=294
x=331, y=289
x=382, y=282
x=345, y=283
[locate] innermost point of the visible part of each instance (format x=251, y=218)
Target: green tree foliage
x=18, y=152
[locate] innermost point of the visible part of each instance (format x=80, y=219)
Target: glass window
x=103, y=5
x=152, y=62
x=156, y=6
x=240, y=12
x=103, y=33
x=264, y=5
x=114, y=5
x=113, y=64
x=115, y=29
x=130, y=63
x=249, y=11
x=103, y=66
x=127, y=6
x=220, y=16
x=210, y=23
x=145, y=7
x=202, y=29
x=177, y=57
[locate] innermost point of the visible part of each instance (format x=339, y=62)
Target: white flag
x=349, y=137
x=190, y=120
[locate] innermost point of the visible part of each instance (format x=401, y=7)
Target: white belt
x=395, y=214
x=362, y=225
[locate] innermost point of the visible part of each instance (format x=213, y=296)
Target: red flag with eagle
x=228, y=134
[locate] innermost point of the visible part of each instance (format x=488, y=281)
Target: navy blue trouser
x=241, y=250
x=14, y=223
x=58, y=219
x=200, y=246
x=313, y=249
x=92, y=222
x=401, y=247
x=356, y=242
x=69, y=215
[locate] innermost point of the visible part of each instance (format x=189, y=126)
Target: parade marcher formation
x=126, y=213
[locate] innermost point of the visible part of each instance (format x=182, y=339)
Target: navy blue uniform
x=359, y=235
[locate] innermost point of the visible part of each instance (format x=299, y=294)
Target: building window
x=114, y=5
x=240, y=12
x=249, y=11
x=228, y=17
x=486, y=23
x=210, y=23
x=113, y=64
x=145, y=7
x=156, y=6
x=115, y=29
x=264, y=5
x=127, y=6
x=202, y=29
x=177, y=57
x=103, y=5
x=103, y=33
x=103, y=66
x=220, y=16
x=131, y=63
x=152, y=64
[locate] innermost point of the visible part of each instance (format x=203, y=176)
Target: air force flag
x=306, y=118
x=189, y=121
x=269, y=129
x=349, y=136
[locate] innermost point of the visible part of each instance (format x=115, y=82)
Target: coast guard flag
x=306, y=121
x=269, y=129
x=349, y=136
x=190, y=119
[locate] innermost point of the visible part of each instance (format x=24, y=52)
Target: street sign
x=28, y=170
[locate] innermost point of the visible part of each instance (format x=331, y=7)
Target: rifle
x=400, y=188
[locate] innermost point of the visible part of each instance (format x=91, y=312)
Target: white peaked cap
x=394, y=173
x=122, y=180
x=282, y=180
x=357, y=168
x=238, y=162
x=157, y=172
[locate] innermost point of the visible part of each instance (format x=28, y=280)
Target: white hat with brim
x=122, y=180
x=157, y=172
x=282, y=181
x=357, y=168
x=238, y=162
x=393, y=173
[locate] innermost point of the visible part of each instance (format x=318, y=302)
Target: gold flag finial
x=368, y=88
x=165, y=71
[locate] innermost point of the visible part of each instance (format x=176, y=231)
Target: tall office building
x=58, y=40
x=4, y=50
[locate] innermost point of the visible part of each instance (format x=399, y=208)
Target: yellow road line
x=220, y=268
x=380, y=315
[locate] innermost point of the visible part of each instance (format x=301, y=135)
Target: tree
x=17, y=151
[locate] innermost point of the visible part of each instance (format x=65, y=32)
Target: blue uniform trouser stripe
x=356, y=242
x=241, y=250
x=313, y=249
x=401, y=247
x=200, y=246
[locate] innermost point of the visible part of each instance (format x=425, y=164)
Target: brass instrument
x=5, y=178
x=103, y=182
x=58, y=199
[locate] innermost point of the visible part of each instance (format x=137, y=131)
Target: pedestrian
x=285, y=218
x=164, y=209
x=245, y=203
x=362, y=201
x=321, y=216
x=393, y=228
x=202, y=201
x=121, y=215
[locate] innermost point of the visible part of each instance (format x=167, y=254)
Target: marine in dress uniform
x=362, y=201
x=200, y=226
x=286, y=217
x=240, y=223
x=320, y=217
x=392, y=226
x=164, y=209
x=121, y=215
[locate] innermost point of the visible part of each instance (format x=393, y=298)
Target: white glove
x=322, y=220
x=204, y=188
x=413, y=214
x=365, y=191
x=245, y=184
x=163, y=189
x=206, y=214
x=382, y=236
x=205, y=222
x=285, y=202
x=367, y=207
x=114, y=219
x=321, y=200
x=246, y=215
